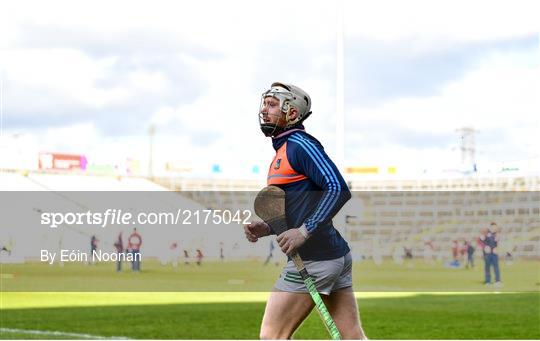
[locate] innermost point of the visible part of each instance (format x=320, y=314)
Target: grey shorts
x=329, y=275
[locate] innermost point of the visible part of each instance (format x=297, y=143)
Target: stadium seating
x=386, y=215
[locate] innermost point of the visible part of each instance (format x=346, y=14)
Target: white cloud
x=441, y=22
x=499, y=98
x=67, y=72
x=233, y=50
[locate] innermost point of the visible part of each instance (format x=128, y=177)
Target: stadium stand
x=408, y=213
x=386, y=215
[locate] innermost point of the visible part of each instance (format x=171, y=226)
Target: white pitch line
x=56, y=333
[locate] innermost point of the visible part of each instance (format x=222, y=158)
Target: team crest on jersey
x=278, y=163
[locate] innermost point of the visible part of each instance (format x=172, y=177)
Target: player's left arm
x=309, y=158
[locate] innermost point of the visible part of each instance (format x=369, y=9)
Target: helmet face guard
x=289, y=96
x=269, y=129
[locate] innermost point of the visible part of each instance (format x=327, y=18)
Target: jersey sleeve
x=309, y=158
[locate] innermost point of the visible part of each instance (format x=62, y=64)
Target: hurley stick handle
x=270, y=206
x=316, y=297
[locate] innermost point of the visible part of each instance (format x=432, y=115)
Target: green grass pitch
x=232, y=307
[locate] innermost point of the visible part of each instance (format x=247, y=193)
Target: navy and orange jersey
x=315, y=192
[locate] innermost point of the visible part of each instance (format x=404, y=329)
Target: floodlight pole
x=340, y=98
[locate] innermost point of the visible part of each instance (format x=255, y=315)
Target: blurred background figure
x=173, y=253
x=186, y=257
x=429, y=250
x=470, y=254
x=134, y=245
x=119, y=246
x=93, y=248
x=455, y=254
x=221, y=251
x=488, y=240
x=200, y=257
x=270, y=253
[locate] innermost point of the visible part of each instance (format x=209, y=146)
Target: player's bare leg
x=284, y=312
x=342, y=306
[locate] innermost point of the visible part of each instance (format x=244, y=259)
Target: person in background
x=270, y=253
x=186, y=257
x=200, y=257
x=119, y=246
x=488, y=240
x=93, y=248
x=470, y=254
x=173, y=253
x=134, y=245
x=455, y=254
x=221, y=252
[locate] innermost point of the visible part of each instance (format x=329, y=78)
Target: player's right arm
x=256, y=230
x=307, y=157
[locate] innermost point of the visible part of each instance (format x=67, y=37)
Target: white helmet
x=289, y=96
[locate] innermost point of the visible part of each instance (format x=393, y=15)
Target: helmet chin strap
x=272, y=129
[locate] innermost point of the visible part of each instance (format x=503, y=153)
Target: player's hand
x=290, y=240
x=256, y=230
